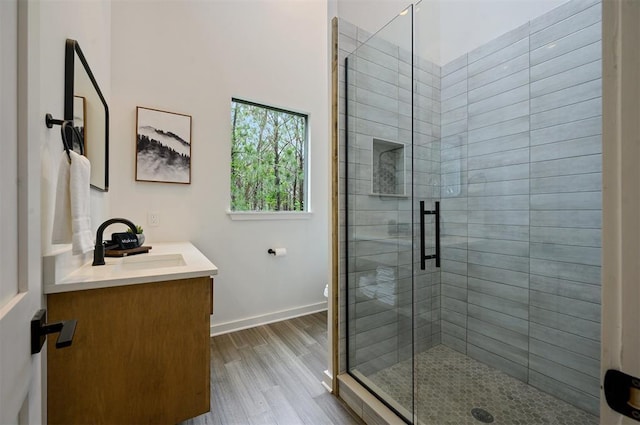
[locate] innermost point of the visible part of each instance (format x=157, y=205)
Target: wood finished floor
x=271, y=375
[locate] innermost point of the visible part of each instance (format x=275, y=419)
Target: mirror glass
x=85, y=105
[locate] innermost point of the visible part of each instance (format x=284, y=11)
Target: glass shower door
x=380, y=225
x=428, y=216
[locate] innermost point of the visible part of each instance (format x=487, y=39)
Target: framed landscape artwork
x=163, y=146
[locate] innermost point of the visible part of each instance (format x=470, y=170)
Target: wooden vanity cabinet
x=140, y=354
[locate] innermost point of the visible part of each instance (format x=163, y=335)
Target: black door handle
x=423, y=257
x=40, y=329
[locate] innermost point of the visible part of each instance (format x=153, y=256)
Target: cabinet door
x=140, y=354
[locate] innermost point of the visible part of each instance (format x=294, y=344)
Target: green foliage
x=267, y=159
x=139, y=230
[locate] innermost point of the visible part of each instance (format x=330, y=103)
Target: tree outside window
x=268, y=158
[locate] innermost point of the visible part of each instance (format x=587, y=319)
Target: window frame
x=306, y=212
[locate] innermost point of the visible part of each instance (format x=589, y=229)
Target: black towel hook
x=50, y=121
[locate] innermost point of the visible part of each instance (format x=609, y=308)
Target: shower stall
x=470, y=215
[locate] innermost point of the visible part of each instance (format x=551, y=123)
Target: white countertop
x=165, y=261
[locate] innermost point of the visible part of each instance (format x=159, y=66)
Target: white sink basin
x=149, y=261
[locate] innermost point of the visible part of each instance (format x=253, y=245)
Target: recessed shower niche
x=388, y=168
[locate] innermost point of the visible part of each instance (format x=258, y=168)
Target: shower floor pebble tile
x=450, y=384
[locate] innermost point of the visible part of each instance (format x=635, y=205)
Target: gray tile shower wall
x=498, y=203
x=566, y=181
x=382, y=164
x=377, y=248
x=427, y=117
x=521, y=128
x=453, y=193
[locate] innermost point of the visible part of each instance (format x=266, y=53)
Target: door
x=379, y=228
x=20, y=282
x=621, y=198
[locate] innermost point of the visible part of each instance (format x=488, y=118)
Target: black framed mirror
x=86, y=106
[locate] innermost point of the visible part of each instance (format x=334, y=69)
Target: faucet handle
x=98, y=252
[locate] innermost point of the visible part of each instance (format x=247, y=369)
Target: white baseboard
x=327, y=381
x=250, y=322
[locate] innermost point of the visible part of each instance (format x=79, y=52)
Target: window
x=268, y=158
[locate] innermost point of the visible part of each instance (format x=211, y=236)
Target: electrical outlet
x=153, y=218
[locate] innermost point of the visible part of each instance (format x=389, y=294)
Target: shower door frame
x=418, y=257
x=346, y=248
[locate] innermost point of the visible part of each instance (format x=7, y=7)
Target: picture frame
x=163, y=146
x=80, y=123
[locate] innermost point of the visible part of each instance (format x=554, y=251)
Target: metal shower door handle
x=423, y=257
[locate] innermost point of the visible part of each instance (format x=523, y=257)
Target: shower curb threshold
x=364, y=404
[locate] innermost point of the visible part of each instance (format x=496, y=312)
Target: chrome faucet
x=98, y=252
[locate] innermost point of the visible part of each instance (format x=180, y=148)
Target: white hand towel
x=79, y=183
x=72, y=218
x=62, y=213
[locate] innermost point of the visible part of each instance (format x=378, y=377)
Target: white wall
x=445, y=29
x=88, y=22
x=467, y=24
x=370, y=15
x=192, y=57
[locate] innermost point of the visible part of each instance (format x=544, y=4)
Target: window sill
x=258, y=215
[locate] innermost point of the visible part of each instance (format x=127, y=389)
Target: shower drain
x=482, y=415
